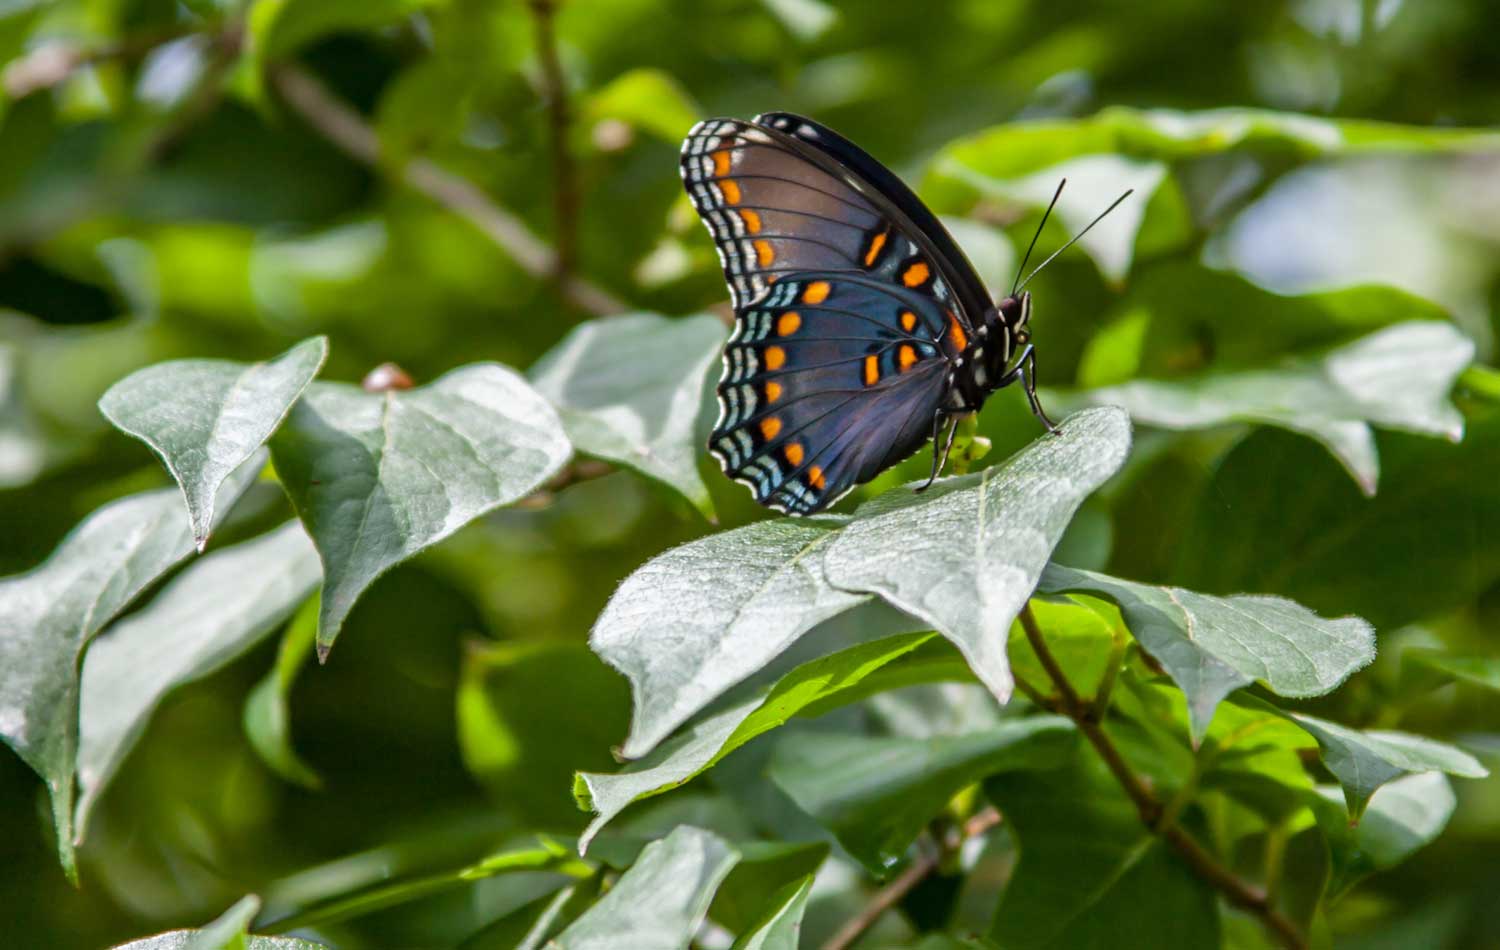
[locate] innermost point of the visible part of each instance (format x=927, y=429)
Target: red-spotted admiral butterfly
x=861, y=328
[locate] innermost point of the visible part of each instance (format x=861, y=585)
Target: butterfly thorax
x=985, y=364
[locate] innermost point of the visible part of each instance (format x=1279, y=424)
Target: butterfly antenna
x=1019, y=270
x=1075, y=239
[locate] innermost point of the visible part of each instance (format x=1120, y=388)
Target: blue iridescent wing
x=845, y=327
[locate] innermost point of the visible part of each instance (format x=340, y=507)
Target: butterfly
x=861, y=329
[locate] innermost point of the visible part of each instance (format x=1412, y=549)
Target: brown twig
x=579, y=470
x=554, y=87
x=346, y=129
x=1086, y=716
x=52, y=63
x=903, y=884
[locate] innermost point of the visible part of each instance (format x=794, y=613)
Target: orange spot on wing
x=816, y=292
x=815, y=477
x=752, y=220
x=872, y=370
x=956, y=331
x=916, y=275
x=731, y=191
x=788, y=322
x=775, y=357
x=793, y=453
x=906, y=356
x=764, y=254
x=908, y=321
x=769, y=427
x=876, y=243
x=721, y=162
x=773, y=391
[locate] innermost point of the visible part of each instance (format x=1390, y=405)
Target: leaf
x=629, y=390
x=805, y=19
x=1403, y=817
x=715, y=736
x=48, y=614
x=765, y=869
x=966, y=556
x=210, y=614
x=1080, y=638
x=378, y=477
x=1212, y=646
x=507, y=688
x=527, y=927
x=1364, y=761
x=694, y=621
x=648, y=99
x=278, y=28
x=228, y=932
x=267, y=714
x=877, y=793
x=780, y=927
x=1481, y=671
x=206, y=417
x=658, y=903
x=1090, y=875
x=1397, y=378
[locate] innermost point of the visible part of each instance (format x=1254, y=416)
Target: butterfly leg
x=937, y=466
x=1025, y=371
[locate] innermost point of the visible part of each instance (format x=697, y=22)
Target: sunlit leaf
x=228, y=932
x=966, y=555
x=648, y=99
x=377, y=477
x=1211, y=646
x=205, y=417
x=877, y=793
x=1396, y=378
x=715, y=736
x=1363, y=761
x=658, y=903
x=207, y=616
x=629, y=390
x=48, y=614
x=780, y=927
x=805, y=19
x=691, y=623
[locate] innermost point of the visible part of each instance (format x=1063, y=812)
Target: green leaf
x=528, y=927
x=1080, y=638
x=1211, y=646
x=1403, y=817
x=765, y=869
x=206, y=417
x=629, y=389
x=1364, y=761
x=715, y=736
x=378, y=477
x=658, y=903
x=1481, y=671
x=48, y=614
x=228, y=932
x=780, y=927
x=210, y=614
x=877, y=793
x=1333, y=399
x=278, y=28
x=648, y=99
x=507, y=688
x=1090, y=874
x=694, y=621
x=805, y=19
x=966, y=555
x=267, y=715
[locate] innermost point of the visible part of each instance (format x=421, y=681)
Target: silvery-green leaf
x=1397, y=378
x=1364, y=761
x=781, y=926
x=659, y=903
x=966, y=556
x=819, y=682
x=205, y=417
x=48, y=614
x=694, y=621
x=1403, y=816
x=378, y=477
x=228, y=932
x=1212, y=646
x=211, y=613
x=629, y=389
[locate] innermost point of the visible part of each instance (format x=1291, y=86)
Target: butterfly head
x=1015, y=313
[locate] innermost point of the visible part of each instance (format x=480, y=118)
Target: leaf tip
x=323, y=650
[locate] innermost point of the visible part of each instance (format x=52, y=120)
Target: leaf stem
x=893, y=893
x=345, y=128
x=1205, y=865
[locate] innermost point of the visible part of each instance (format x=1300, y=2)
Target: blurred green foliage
x=1309, y=172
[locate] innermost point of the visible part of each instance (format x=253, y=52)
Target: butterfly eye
x=1023, y=337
